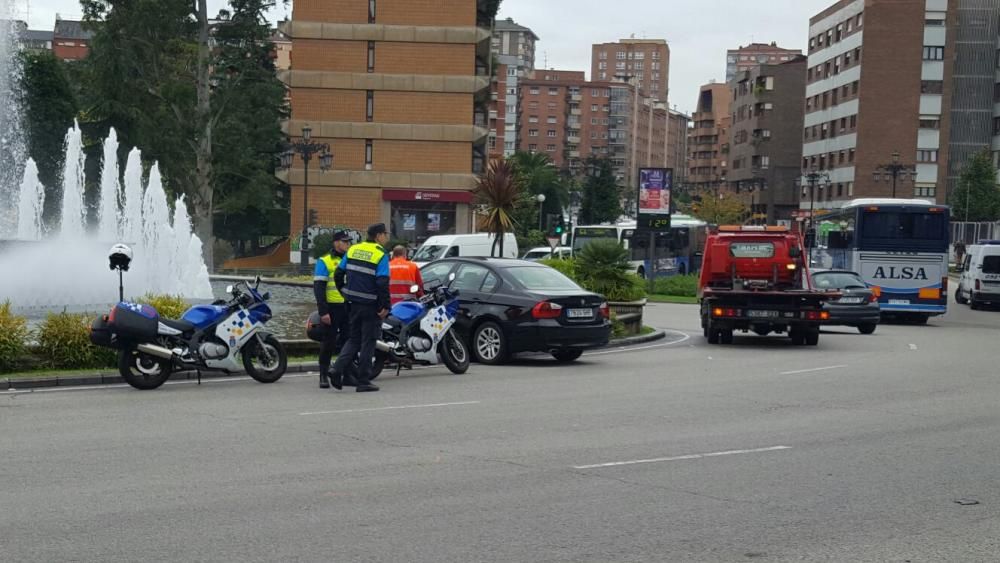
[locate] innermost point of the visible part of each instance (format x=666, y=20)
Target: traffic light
x=313, y=217
x=560, y=226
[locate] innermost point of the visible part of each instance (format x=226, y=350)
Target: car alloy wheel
x=489, y=345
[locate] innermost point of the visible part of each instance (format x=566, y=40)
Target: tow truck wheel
x=798, y=338
x=726, y=336
x=812, y=337
x=713, y=335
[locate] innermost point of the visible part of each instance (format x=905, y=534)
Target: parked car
x=858, y=306
x=544, y=252
x=979, y=282
x=513, y=306
x=452, y=246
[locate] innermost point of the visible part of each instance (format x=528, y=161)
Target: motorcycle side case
x=100, y=333
x=133, y=321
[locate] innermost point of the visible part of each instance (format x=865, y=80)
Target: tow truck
x=755, y=278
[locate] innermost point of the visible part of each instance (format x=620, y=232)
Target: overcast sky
x=698, y=31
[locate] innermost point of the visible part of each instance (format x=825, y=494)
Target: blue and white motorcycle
x=226, y=336
x=422, y=332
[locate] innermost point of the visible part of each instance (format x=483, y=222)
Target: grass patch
x=680, y=299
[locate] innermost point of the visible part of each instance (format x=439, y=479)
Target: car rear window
x=541, y=279
x=991, y=265
x=837, y=280
x=751, y=250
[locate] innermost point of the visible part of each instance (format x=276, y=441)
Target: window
x=604, y=76
x=512, y=71
x=854, y=87
x=850, y=25
x=639, y=65
x=927, y=155
x=594, y=107
x=850, y=156
x=925, y=191
x=551, y=119
x=930, y=123
x=812, y=43
x=933, y=53
x=933, y=23
x=594, y=120
x=845, y=91
x=551, y=133
x=765, y=162
x=595, y=93
x=640, y=56
x=593, y=134
x=532, y=148
x=469, y=278
x=843, y=126
x=550, y=148
x=602, y=65
x=620, y=56
x=809, y=74
x=533, y=105
x=931, y=87
x=656, y=55
x=619, y=66
x=553, y=91
x=859, y=20
x=854, y=121
x=369, y=154
x=532, y=119
x=370, y=105
x=371, y=11
x=371, y=56
x=534, y=90
x=603, y=55
x=847, y=59
x=552, y=105
x=656, y=66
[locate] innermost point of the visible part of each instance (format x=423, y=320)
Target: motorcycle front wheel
x=143, y=371
x=265, y=364
x=454, y=353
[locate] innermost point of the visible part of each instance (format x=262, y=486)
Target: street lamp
x=540, y=198
x=812, y=179
x=894, y=171
x=306, y=149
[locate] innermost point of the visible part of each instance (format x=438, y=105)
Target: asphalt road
x=856, y=450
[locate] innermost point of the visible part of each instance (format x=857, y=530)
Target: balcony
x=575, y=111
x=576, y=98
x=573, y=126
x=573, y=154
x=573, y=139
x=494, y=96
x=493, y=114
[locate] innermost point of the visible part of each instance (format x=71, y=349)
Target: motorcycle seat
x=178, y=324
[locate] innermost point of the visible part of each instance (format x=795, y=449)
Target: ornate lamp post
x=306, y=149
x=894, y=171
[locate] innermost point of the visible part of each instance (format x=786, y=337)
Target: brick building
x=708, y=138
x=513, y=52
x=399, y=88
x=748, y=57
x=648, y=60
x=70, y=42
x=855, y=120
x=677, y=146
x=765, y=151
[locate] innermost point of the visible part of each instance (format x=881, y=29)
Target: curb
x=108, y=377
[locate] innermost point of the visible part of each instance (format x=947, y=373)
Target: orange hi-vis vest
x=402, y=275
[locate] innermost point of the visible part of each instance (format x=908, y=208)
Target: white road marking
x=824, y=368
x=913, y=346
x=685, y=338
x=682, y=457
x=347, y=411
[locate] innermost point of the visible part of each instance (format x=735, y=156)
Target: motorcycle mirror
x=229, y=289
x=267, y=295
x=451, y=277
x=256, y=281
x=414, y=288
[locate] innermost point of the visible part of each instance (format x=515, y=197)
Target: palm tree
x=499, y=191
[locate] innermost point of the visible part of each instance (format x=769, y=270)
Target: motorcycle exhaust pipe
x=154, y=350
x=383, y=347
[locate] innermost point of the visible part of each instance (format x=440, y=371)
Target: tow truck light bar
x=752, y=229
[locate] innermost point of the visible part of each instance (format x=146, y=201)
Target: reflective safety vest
x=362, y=270
x=402, y=275
x=332, y=294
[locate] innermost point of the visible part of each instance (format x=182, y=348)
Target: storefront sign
x=430, y=196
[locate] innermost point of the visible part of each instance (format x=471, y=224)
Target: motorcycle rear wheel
x=454, y=353
x=143, y=371
x=273, y=359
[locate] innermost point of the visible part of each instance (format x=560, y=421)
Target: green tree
x=50, y=106
x=537, y=176
x=977, y=197
x=499, y=191
x=601, y=196
x=722, y=208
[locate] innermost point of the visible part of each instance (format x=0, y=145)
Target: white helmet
x=119, y=257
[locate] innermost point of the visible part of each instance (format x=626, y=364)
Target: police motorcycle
x=422, y=332
x=228, y=336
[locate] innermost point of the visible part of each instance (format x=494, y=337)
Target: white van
x=980, y=280
x=450, y=246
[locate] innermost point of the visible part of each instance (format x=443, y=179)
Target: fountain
x=66, y=266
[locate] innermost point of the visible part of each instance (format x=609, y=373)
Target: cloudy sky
x=698, y=31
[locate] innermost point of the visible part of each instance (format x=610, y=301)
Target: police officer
x=363, y=278
x=331, y=305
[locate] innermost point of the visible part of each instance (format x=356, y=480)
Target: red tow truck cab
x=756, y=278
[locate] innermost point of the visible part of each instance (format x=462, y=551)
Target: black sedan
x=858, y=307
x=511, y=306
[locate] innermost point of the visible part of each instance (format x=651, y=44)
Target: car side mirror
x=794, y=252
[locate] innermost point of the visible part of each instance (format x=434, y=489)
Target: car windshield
x=838, y=280
x=429, y=253
x=542, y=279
x=537, y=254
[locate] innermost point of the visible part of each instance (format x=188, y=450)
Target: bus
x=898, y=246
x=677, y=252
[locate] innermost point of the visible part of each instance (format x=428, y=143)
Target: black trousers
x=336, y=337
x=365, y=329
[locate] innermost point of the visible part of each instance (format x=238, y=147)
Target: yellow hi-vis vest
x=332, y=294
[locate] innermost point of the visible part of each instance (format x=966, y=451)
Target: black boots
x=324, y=381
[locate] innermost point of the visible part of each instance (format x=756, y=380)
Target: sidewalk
x=111, y=377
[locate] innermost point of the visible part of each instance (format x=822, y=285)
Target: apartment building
x=879, y=81
x=400, y=92
x=677, y=145
x=514, y=40
x=708, y=139
x=513, y=52
x=647, y=60
x=765, y=150
x=748, y=57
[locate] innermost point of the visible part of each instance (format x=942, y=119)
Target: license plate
x=899, y=301
x=850, y=300
x=762, y=314
x=580, y=313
